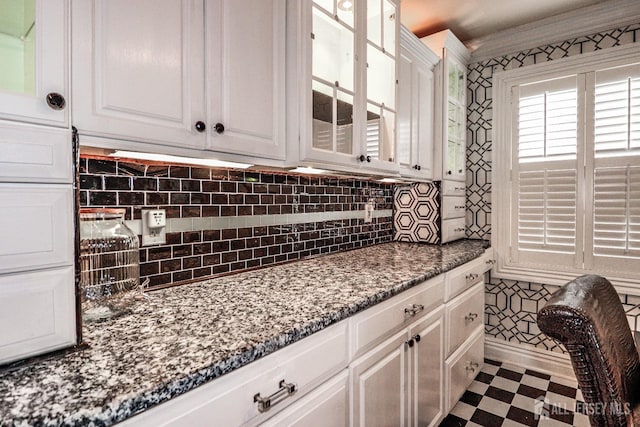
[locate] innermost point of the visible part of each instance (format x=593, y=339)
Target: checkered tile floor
x=508, y=395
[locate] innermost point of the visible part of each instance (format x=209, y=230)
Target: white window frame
x=502, y=155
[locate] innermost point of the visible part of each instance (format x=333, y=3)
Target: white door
x=378, y=384
x=426, y=373
x=34, y=54
x=138, y=70
x=245, y=51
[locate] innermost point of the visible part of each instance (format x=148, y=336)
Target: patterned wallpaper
x=511, y=305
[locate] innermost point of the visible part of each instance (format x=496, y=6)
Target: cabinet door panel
x=138, y=70
x=37, y=312
x=245, y=76
x=379, y=385
x=37, y=227
x=424, y=120
x=34, y=63
x=427, y=359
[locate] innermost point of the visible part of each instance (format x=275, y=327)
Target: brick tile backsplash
x=197, y=194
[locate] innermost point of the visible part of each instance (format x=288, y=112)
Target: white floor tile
x=505, y=384
x=493, y=406
x=463, y=410
x=535, y=382
x=478, y=387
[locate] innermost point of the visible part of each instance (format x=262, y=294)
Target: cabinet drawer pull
x=459, y=229
x=458, y=207
x=471, y=317
x=458, y=188
x=415, y=309
x=491, y=262
x=471, y=367
x=471, y=276
x=265, y=403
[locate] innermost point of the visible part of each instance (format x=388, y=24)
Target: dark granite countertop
x=187, y=335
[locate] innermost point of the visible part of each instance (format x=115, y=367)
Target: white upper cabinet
x=345, y=54
x=34, y=55
x=138, y=70
x=415, y=107
x=245, y=51
x=451, y=105
x=187, y=74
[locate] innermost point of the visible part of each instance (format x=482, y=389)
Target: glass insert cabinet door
x=353, y=80
x=333, y=76
x=456, y=129
x=34, y=57
x=381, y=80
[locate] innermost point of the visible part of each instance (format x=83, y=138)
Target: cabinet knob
x=417, y=338
x=56, y=101
x=410, y=342
x=471, y=317
x=200, y=126
x=417, y=167
x=459, y=170
x=219, y=127
x=449, y=172
x=364, y=158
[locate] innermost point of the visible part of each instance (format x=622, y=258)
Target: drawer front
x=453, y=207
x=375, y=324
x=464, y=314
x=453, y=188
x=453, y=229
x=37, y=313
x=328, y=405
x=230, y=400
x=461, y=278
x=463, y=366
x=33, y=154
x=37, y=229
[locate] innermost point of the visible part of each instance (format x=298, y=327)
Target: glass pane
x=344, y=124
x=374, y=130
x=322, y=128
x=374, y=22
x=17, y=47
x=381, y=77
x=453, y=80
x=389, y=24
x=387, y=143
x=332, y=51
x=326, y=5
x=346, y=11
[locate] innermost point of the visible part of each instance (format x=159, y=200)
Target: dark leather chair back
x=587, y=317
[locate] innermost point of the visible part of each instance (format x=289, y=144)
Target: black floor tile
x=531, y=392
x=487, y=419
x=537, y=374
x=562, y=389
x=499, y=394
x=483, y=377
x=471, y=398
x=522, y=416
x=453, y=421
x=509, y=374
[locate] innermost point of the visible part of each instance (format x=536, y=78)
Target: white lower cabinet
x=400, y=381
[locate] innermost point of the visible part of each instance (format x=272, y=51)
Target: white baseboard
x=530, y=357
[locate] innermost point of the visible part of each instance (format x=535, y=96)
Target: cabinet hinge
x=313, y=36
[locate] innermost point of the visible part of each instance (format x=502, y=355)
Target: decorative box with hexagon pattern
x=416, y=213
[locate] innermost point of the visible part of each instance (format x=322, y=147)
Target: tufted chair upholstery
x=587, y=317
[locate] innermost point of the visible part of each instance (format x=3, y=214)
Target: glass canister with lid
x=109, y=264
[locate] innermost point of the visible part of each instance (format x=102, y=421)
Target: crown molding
x=409, y=41
x=580, y=22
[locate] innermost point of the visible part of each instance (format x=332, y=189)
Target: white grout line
x=220, y=223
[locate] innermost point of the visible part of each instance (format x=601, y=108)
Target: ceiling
x=473, y=19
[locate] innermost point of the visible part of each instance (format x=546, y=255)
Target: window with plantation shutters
x=545, y=172
x=566, y=193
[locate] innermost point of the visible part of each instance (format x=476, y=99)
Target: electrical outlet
x=154, y=224
x=368, y=210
